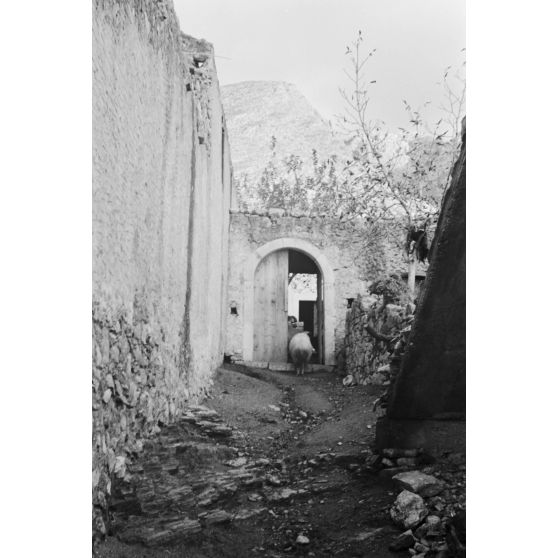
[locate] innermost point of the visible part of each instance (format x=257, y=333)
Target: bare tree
x=399, y=181
x=393, y=183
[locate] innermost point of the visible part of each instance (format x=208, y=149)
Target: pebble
x=273, y=480
x=302, y=539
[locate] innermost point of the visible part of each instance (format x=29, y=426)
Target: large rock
x=408, y=510
x=419, y=483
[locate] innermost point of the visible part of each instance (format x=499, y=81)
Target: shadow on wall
x=426, y=406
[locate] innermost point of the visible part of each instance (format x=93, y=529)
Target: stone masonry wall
x=338, y=241
x=366, y=358
x=161, y=198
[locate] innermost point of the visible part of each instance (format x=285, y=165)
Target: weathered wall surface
x=367, y=358
x=161, y=196
x=431, y=382
x=337, y=241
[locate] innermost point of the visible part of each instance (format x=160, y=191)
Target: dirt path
x=293, y=469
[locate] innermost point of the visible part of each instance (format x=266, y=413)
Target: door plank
x=271, y=307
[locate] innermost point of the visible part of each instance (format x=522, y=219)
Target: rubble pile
x=197, y=473
x=430, y=504
x=176, y=487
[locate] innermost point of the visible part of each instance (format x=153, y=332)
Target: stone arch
x=326, y=270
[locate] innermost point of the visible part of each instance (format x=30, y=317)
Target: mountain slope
x=257, y=110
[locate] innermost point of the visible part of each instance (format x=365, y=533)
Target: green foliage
x=390, y=287
x=393, y=184
x=293, y=184
x=401, y=184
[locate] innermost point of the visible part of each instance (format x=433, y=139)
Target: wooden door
x=271, y=308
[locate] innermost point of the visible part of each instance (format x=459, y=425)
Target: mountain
x=257, y=110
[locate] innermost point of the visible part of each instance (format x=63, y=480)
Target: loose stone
x=302, y=539
x=419, y=483
x=408, y=510
x=403, y=541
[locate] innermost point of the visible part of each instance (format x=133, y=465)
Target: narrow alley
x=210, y=287
x=271, y=465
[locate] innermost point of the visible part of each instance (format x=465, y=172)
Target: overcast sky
x=304, y=41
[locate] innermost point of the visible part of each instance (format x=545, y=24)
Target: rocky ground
x=278, y=465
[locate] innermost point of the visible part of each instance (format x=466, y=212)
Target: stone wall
x=367, y=359
x=161, y=198
x=427, y=402
x=432, y=378
x=339, y=242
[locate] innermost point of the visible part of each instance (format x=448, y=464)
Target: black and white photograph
x=249, y=307
x=279, y=278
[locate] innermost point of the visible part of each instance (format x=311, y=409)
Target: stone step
x=180, y=482
x=164, y=532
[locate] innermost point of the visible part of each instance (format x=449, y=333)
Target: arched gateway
x=264, y=291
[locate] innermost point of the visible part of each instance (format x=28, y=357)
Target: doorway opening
x=288, y=300
x=303, y=300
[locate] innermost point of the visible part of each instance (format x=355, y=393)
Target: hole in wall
x=200, y=60
x=350, y=302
